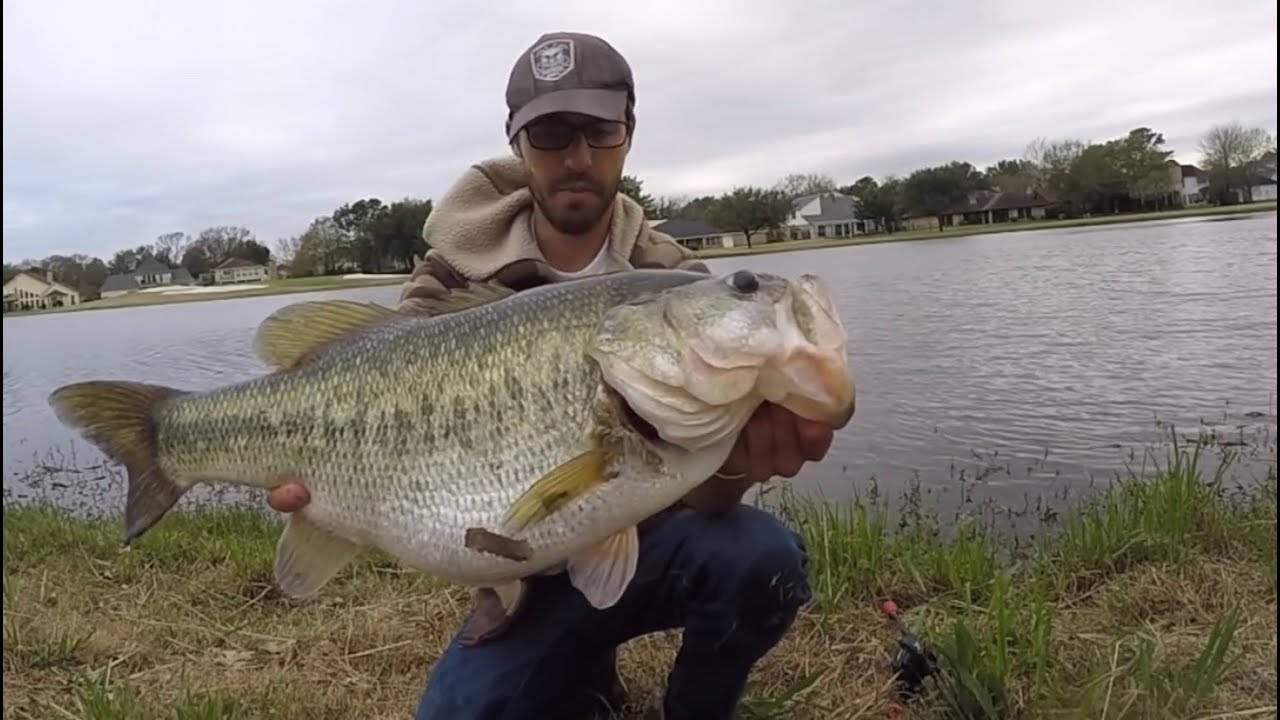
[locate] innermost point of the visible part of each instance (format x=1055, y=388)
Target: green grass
x=1154, y=598
x=759, y=246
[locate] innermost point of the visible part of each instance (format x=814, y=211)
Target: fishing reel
x=913, y=661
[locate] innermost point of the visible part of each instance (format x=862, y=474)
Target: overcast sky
x=129, y=119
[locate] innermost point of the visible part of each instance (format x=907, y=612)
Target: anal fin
x=495, y=608
x=308, y=556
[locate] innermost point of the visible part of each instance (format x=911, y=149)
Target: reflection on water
x=1017, y=363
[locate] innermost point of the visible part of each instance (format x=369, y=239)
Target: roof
x=802, y=200
x=834, y=207
x=681, y=228
x=182, y=277
x=122, y=281
x=55, y=285
x=151, y=265
x=1191, y=171
x=236, y=262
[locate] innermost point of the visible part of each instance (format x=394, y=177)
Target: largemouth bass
x=498, y=437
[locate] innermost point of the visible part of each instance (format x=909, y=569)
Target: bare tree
x=1230, y=154
x=797, y=184
x=287, y=248
x=170, y=247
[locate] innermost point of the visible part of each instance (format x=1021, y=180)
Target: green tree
x=1012, y=175
x=633, y=187
x=196, y=260
x=1140, y=160
x=750, y=210
x=398, y=231
x=877, y=202
x=320, y=248
x=666, y=208
x=933, y=190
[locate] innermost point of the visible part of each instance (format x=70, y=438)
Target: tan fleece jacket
x=481, y=230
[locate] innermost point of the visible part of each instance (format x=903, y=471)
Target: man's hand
x=775, y=442
x=289, y=496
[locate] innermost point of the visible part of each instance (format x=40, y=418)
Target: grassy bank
x=274, y=287
x=961, y=231
x=1156, y=599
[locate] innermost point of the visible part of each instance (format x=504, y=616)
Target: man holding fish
x=686, y=362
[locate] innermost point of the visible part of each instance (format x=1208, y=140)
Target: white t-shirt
x=604, y=262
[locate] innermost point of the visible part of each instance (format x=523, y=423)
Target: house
x=697, y=234
x=1195, y=185
x=236, y=270
x=1263, y=185
x=829, y=214
x=150, y=273
x=37, y=290
x=984, y=207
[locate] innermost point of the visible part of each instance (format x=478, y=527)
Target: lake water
x=1018, y=365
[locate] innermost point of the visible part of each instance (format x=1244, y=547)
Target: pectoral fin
x=603, y=571
x=308, y=556
x=556, y=488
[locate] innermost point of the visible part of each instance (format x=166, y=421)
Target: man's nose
x=577, y=157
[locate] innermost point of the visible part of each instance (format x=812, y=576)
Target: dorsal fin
x=473, y=295
x=290, y=334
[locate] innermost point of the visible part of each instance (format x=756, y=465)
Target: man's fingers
x=786, y=454
x=290, y=497
x=814, y=439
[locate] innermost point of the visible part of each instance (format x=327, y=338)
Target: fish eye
x=744, y=281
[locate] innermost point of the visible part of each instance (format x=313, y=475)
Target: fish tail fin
x=118, y=418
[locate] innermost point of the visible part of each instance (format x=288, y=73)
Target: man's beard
x=580, y=219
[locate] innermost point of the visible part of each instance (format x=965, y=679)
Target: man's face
x=573, y=182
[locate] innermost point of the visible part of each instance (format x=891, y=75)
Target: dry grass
x=186, y=624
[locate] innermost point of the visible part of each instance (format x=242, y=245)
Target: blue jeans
x=733, y=582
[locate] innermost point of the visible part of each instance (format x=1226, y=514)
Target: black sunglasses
x=558, y=135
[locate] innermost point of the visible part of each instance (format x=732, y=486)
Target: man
x=731, y=576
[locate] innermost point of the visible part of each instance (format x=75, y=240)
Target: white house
x=30, y=291
x=829, y=214
x=235, y=270
x=1195, y=185
x=697, y=234
x=150, y=273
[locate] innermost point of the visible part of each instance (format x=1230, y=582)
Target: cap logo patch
x=552, y=60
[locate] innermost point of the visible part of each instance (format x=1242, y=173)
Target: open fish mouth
x=694, y=362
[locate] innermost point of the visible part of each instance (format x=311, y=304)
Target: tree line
x=1125, y=174
x=365, y=235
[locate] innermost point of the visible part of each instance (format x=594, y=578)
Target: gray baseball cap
x=568, y=72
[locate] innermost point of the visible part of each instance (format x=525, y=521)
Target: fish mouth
x=821, y=389
x=811, y=378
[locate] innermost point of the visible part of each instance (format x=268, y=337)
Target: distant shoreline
x=336, y=282
x=274, y=287
x=967, y=230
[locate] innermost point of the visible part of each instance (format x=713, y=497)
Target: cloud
x=126, y=121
